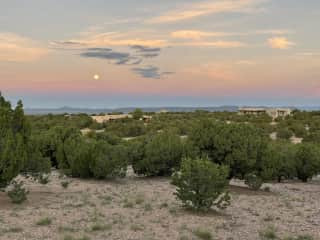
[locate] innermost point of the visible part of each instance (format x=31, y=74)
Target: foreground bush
x=253, y=181
x=18, y=194
x=87, y=158
x=307, y=160
x=160, y=155
x=109, y=161
x=278, y=162
x=201, y=184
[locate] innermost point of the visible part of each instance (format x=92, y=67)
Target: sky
x=125, y=53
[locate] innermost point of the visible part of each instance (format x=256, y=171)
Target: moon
x=96, y=77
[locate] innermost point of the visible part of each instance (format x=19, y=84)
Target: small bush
x=68, y=237
x=300, y=237
x=307, y=160
x=18, y=194
x=65, y=184
x=128, y=204
x=44, y=221
x=202, y=234
x=268, y=234
x=284, y=133
x=14, y=230
x=201, y=184
x=148, y=207
x=267, y=189
x=98, y=227
x=253, y=181
x=43, y=179
x=140, y=199
x=136, y=228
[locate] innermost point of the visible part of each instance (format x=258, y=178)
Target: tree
x=307, y=161
x=137, y=114
x=87, y=158
x=313, y=137
x=10, y=165
x=278, y=161
x=284, y=133
x=110, y=161
x=201, y=184
x=162, y=153
x=36, y=163
x=14, y=137
x=80, y=154
x=238, y=146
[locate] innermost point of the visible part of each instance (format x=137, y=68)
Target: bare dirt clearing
x=145, y=208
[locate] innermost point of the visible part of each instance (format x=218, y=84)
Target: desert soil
x=145, y=209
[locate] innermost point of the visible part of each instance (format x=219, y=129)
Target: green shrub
x=161, y=154
x=44, y=221
x=300, y=237
x=109, y=161
x=43, y=178
x=87, y=158
x=201, y=184
x=14, y=138
x=278, y=162
x=18, y=194
x=253, y=181
x=307, y=160
x=284, y=133
x=137, y=114
x=235, y=145
x=65, y=184
x=99, y=227
x=202, y=234
x=268, y=234
x=36, y=163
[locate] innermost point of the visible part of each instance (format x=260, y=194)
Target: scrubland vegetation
x=199, y=153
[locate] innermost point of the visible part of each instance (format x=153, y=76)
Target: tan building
x=272, y=112
x=113, y=117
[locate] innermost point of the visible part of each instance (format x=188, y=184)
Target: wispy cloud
x=309, y=54
x=215, y=44
x=196, y=35
x=109, y=39
x=150, y=72
x=134, y=50
x=274, y=31
x=146, y=52
x=207, y=8
x=280, y=43
x=120, y=58
x=15, y=48
x=246, y=62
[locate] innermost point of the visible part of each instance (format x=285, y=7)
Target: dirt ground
x=144, y=209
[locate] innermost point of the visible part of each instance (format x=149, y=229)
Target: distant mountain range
x=71, y=110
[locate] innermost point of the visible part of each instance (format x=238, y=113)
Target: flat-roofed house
x=113, y=117
x=110, y=117
x=272, y=112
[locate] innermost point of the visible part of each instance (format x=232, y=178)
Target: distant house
x=272, y=112
x=146, y=118
x=113, y=117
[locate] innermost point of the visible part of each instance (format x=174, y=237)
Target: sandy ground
x=143, y=208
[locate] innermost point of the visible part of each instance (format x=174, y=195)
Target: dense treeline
x=19, y=149
x=241, y=144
